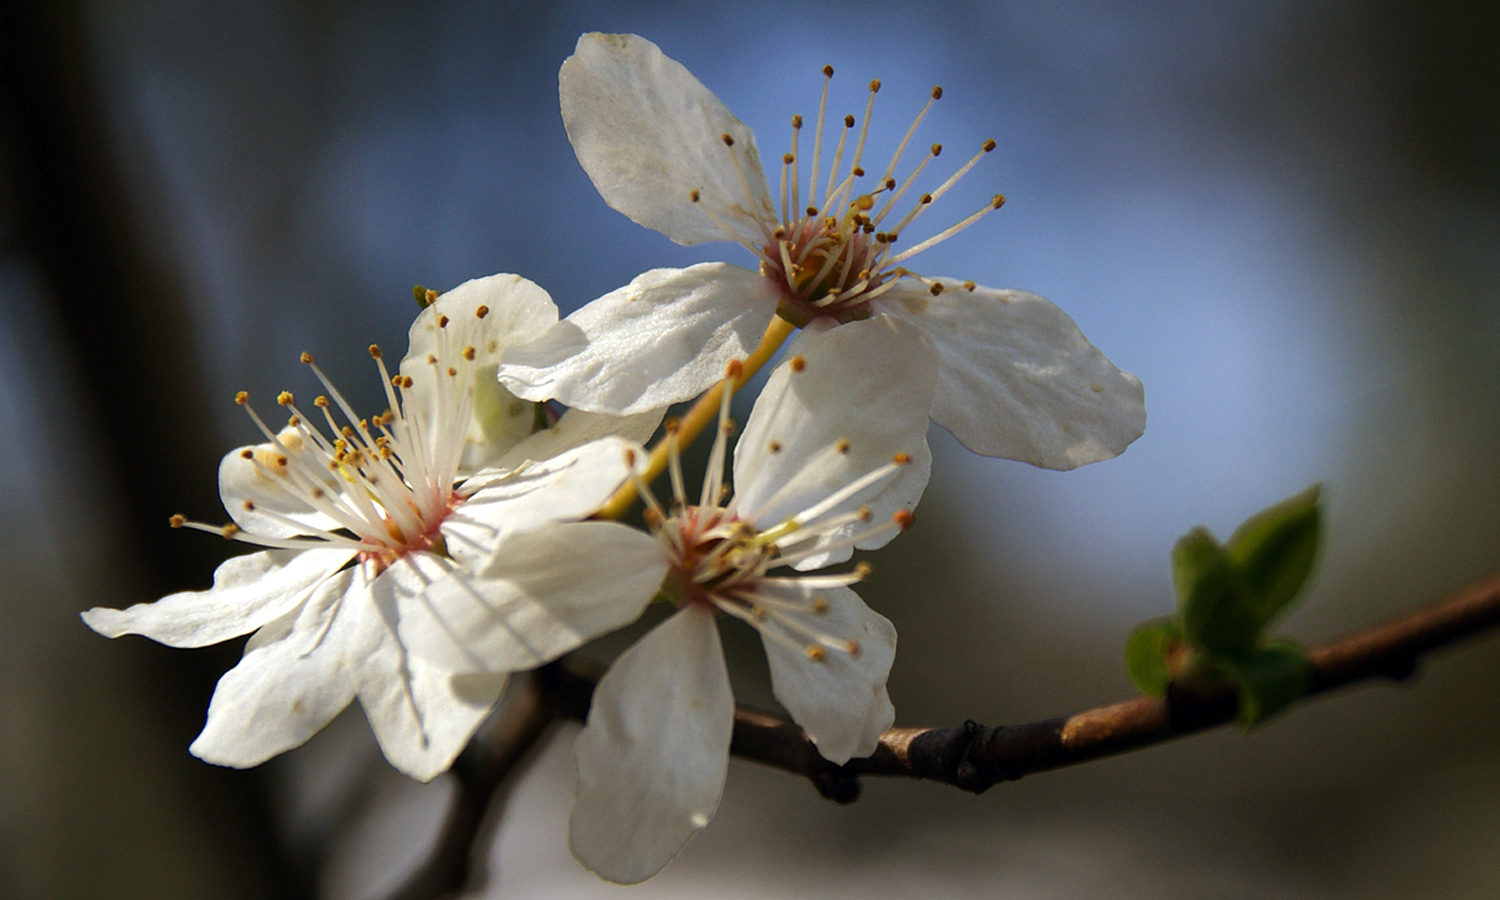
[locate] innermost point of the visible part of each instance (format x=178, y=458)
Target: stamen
x=864, y=130
x=890, y=170
x=995, y=203
x=812, y=188
x=838, y=159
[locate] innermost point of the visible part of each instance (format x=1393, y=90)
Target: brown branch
x=496, y=750
x=969, y=756
x=976, y=758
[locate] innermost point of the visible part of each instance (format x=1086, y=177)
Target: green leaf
x=1274, y=551
x=1270, y=680
x=1217, y=616
x=1196, y=554
x=1148, y=653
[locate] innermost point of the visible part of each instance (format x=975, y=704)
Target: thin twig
x=975, y=758
x=494, y=753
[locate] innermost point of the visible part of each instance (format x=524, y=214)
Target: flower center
x=721, y=561
x=716, y=558
x=835, y=254
x=382, y=486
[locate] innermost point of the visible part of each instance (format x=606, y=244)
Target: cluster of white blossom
x=415, y=558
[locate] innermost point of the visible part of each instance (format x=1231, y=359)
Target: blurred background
x=1284, y=217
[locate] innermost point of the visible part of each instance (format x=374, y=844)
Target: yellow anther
x=797, y=121
x=481, y=311
x=864, y=513
x=937, y=92
x=989, y=145
x=820, y=605
x=229, y=531
x=842, y=446
x=693, y=195
x=901, y=459
x=452, y=372
x=249, y=506
x=177, y=521
x=430, y=296
x=815, y=653
x=306, y=358
x=969, y=285
x=775, y=447
x=320, y=401
x=375, y=350
x=852, y=648
x=241, y=398
x=734, y=369
x=875, y=86
x=862, y=570
x=798, y=363
x=997, y=201
x=904, y=518
x=284, y=398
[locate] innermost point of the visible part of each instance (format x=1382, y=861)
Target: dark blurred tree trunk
x=123, y=323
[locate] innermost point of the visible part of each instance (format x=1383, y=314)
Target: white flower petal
x=662, y=339
x=1019, y=379
x=422, y=715
x=868, y=383
x=839, y=700
x=248, y=592
x=648, y=133
x=576, y=428
x=653, y=755
x=515, y=311
x=260, y=492
x=567, y=487
x=900, y=493
x=538, y=596
x=294, y=678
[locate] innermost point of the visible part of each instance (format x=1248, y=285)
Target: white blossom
x=358, y=516
x=1017, y=379
x=810, y=487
